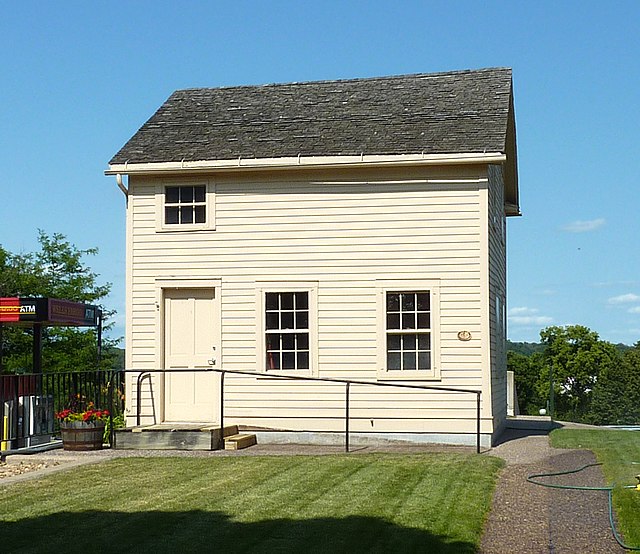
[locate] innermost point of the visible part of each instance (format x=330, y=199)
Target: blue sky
x=79, y=78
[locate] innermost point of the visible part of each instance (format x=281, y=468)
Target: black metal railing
x=347, y=382
x=29, y=402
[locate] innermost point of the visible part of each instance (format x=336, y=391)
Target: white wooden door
x=190, y=342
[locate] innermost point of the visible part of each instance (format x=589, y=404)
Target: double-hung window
x=287, y=334
x=408, y=347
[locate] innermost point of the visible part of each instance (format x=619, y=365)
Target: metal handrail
x=346, y=382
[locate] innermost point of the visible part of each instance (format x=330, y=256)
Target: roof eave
x=304, y=162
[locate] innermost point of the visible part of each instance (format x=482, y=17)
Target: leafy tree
x=525, y=348
x=594, y=381
x=616, y=396
x=56, y=270
x=574, y=358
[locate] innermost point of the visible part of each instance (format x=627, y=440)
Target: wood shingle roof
x=438, y=113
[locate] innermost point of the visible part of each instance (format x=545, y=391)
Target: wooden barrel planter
x=82, y=435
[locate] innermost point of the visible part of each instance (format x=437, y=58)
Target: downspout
x=121, y=186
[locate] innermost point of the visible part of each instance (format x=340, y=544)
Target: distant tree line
x=55, y=270
x=593, y=381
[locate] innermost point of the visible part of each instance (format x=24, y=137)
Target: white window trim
x=287, y=286
x=208, y=225
x=408, y=285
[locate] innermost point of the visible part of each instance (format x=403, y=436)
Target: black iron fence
x=29, y=402
x=348, y=384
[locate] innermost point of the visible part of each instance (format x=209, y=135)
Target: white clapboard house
x=351, y=229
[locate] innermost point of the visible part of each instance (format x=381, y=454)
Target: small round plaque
x=464, y=336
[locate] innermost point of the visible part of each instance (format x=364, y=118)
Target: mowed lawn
x=619, y=453
x=344, y=503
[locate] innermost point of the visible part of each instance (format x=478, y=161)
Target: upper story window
x=185, y=205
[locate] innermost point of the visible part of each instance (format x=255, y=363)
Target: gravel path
x=530, y=519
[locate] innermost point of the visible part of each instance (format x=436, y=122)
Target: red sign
x=17, y=309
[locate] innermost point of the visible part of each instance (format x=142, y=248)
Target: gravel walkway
x=530, y=519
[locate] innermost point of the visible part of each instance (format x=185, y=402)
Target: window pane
x=288, y=341
x=172, y=195
x=199, y=193
x=423, y=302
x=286, y=301
x=302, y=341
x=273, y=341
x=393, y=361
x=408, y=342
x=409, y=321
x=273, y=360
x=302, y=300
x=302, y=320
x=408, y=302
x=272, y=320
x=186, y=214
x=171, y=215
x=424, y=342
x=393, y=302
x=424, y=360
x=286, y=320
x=200, y=214
x=303, y=360
x=408, y=360
x=424, y=321
x=288, y=360
x=271, y=300
x=186, y=195
x=393, y=342
x=393, y=321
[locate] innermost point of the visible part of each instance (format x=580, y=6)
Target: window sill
x=184, y=228
x=283, y=374
x=409, y=376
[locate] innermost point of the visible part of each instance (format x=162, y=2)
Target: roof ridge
x=354, y=80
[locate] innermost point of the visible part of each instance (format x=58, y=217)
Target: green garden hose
x=608, y=488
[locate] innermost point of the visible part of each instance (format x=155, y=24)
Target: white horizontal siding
x=343, y=237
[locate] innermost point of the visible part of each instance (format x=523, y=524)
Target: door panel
x=190, y=318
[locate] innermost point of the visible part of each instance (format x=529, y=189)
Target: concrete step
x=532, y=423
x=239, y=441
x=172, y=436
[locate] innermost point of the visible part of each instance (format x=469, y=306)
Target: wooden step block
x=237, y=442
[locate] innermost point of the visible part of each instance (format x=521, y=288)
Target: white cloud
x=530, y=320
x=629, y=298
x=634, y=310
x=522, y=310
x=523, y=315
x=584, y=226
